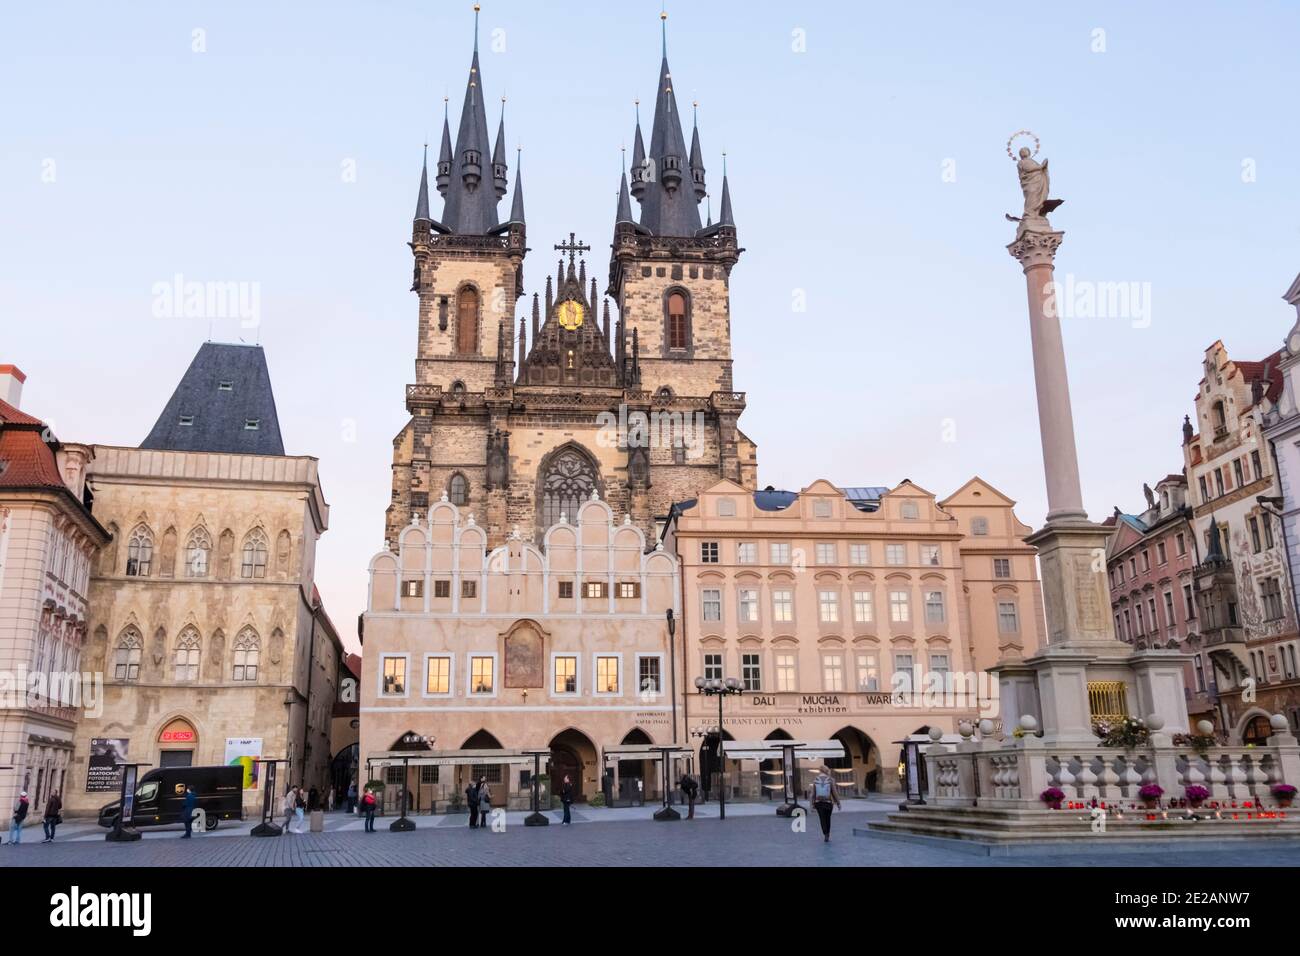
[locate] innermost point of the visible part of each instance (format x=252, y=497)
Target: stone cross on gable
x=573, y=247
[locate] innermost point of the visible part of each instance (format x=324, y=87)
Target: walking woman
x=824, y=793
x=287, y=805
x=299, y=807
x=484, y=802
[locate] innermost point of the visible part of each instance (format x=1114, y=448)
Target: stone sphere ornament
x=1204, y=728
x=1155, y=722
x=1279, y=724
x=936, y=734
x=1028, y=723
x=986, y=727
x=965, y=729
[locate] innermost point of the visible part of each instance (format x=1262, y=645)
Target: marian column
x=1053, y=684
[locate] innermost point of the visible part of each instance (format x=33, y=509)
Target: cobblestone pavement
x=747, y=838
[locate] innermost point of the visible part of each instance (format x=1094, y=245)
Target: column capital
x=1035, y=248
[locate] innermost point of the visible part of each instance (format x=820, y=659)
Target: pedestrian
x=690, y=787
x=289, y=802
x=329, y=805
x=313, y=799
x=187, y=810
x=53, y=815
x=484, y=802
x=566, y=798
x=471, y=801
x=368, y=804
x=824, y=793
x=20, y=814
x=299, y=808
x=352, y=797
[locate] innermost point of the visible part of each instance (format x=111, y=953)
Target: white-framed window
x=828, y=606
x=934, y=609
x=437, y=675
x=126, y=656
x=392, y=676
x=649, y=675
x=939, y=662
x=747, y=552
x=713, y=666
x=979, y=526
x=896, y=554
x=786, y=673
x=826, y=552
x=909, y=511
x=629, y=589
x=187, y=655
x=711, y=605
x=1169, y=608
x=139, y=553
x=248, y=654
x=748, y=605
x=864, y=611
x=482, y=675
x=859, y=554
x=900, y=608
x=779, y=553
x=782, y=605
x=1002, y=567
x=708, y=552
x=1009, y=617
x=413, y=588
x=595, y=590
x=833, y=672
x=608, y=677
x=564, y=675
x=930, y=554
x=1200, y=673
x=904, y=664
x=868, y=671
x=751, y=671
x=254, y=562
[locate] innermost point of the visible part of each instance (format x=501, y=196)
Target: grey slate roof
x=422, y=198
x=219, y=416
x=469, y=212
x=517, y=201
x=666, y=213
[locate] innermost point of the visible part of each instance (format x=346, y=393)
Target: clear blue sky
x=227, y=165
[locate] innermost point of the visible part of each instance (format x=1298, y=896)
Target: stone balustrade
x=1012, y=772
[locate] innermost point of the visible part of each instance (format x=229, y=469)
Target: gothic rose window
x=569, y=481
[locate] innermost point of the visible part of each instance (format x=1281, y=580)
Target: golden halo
x=1018, y=133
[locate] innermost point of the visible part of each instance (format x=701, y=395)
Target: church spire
x=444, y=154
x=725, y=218
x=624, y=213
x=697, y=156
x=638, y=158
x=470, y=208
x=499, y=179
x=422, y=199
x=517, y=202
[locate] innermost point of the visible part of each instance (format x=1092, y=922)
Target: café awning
x=451, y=758
x=645, y=752
x=775, y=749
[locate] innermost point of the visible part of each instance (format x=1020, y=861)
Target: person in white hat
x=20, y=815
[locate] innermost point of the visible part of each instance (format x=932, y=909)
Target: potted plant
x=1283, y=793
x=1052, y=796
x=1150, y=795
x=1196, y=795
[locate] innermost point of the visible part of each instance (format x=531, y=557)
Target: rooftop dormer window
x=252, y=424
x=225, y=386
x=187, y=419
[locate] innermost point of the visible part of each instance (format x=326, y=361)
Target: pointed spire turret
x=499, y=171
x=605, y=325
x=537, y=321
x=422, y=198
x=550, y=296
x=638, y=159
x=444, y=153
x=470, y=208
x=517, y=203
x=523, y=341
x=725, y=217
x=697, y=157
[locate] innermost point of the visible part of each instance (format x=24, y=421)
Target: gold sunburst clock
x=570, y=315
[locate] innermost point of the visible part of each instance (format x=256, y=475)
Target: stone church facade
x=518, y=424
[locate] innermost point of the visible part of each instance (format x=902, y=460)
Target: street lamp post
x=672, y=667
x=720, y=688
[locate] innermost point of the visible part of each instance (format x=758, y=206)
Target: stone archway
x=573, y=753
x=861, y=756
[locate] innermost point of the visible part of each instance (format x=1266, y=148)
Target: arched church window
x=458, y=490
x=126, y=657
x=139, y=553
x=187, y=655
x=677, y=332
x=248, y=651
x=254, y=563
x=467, y=320
x=197, y=551
x=458, y=388
x=568, y=481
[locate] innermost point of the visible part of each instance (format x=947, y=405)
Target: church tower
x=519, y=428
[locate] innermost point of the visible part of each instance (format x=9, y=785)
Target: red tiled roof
x=26, y=458
x=1268, y=371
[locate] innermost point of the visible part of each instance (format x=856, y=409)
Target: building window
x=904, y=666
x=748, y=606
x=1169, y=609
x=395, y=676
x=828, y=604
x=458, y=490
x=565, y=590
x=713, y=667
x=1009, y=617
x=197, y=551
x=822, y=508
x=252, y=424
x=939, y=664
x=1200, y=673
x=934, y=610
x=467, y=320
x=1146, y=560
x=187, y=655
x=711, y=604
x=1271, y=592
x=1218, y=481
x=899, y=610
x=1267, y=522
x=863, y=609
x=566, y=675
x=747, y=553
x=1205, y=492
x=1255, y=464
x=779, y=553
x=930, y=554
x=979, y=526
x=595, y=590
x=126, y=658
x=413, y=588
x=1180, y=543
x=785, y=673
x=1161, y=556
x=726, y=507
x=1189, y=603
x=1256, y=543
x=909, y=511
x=832, y=672
x=437, y=676
x=468, y=589
x=442, y=588
x=248, y=653
x=896, y=554
x=139, y=553
x=482, y=675
x=859, y=554
x=568, y=480
x=254, y=563
x=678, y=329
x=751, y=672
x=826, y=552
x=1236, y=473
x=629, y=589
x=708, y=552
x=1002, y=567
x=650, y=675
x=782, y=605
x=868, y=671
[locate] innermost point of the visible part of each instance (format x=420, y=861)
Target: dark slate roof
x=666, y=213
x=422, y=198
x=218, y=415
x=770, y=499
x=469, y=212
